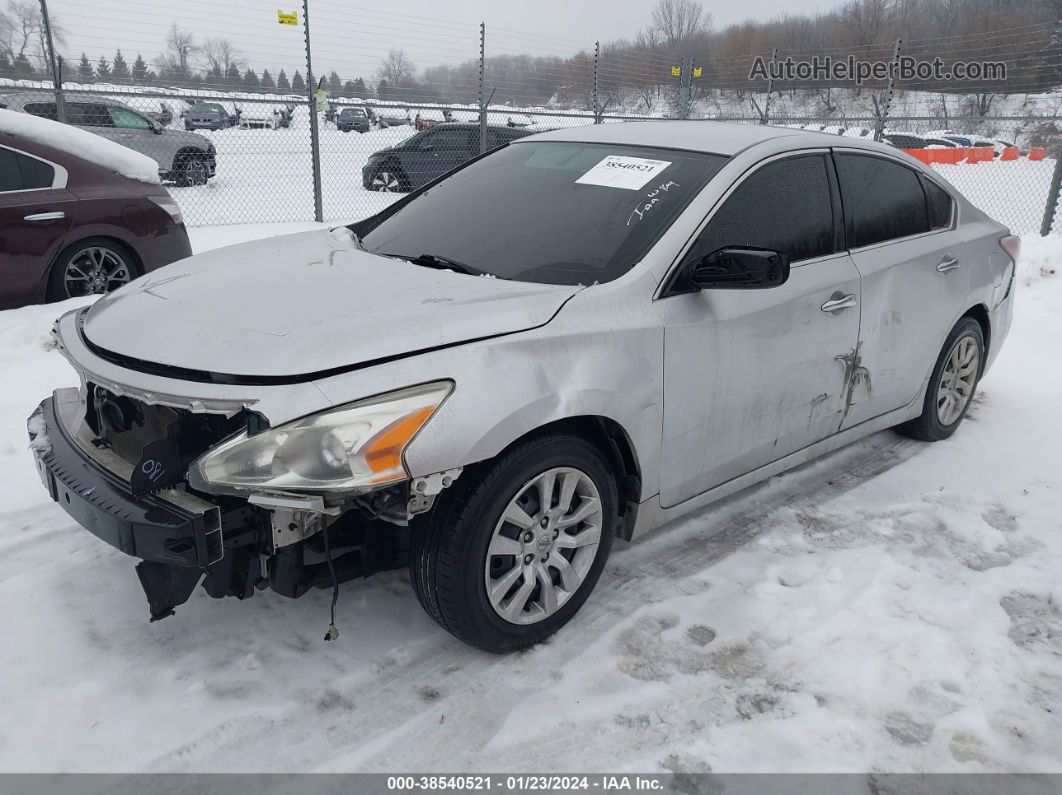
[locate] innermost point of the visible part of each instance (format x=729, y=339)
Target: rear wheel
x=952, y=384
x=511, y=551
x=91, y=267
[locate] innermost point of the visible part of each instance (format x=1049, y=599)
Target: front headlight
x=355, y=447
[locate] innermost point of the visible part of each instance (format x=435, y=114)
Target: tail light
x=1012, y=245
x=170, y=206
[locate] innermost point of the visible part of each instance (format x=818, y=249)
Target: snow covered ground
x=892, y=607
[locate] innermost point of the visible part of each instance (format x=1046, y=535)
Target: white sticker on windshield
x=619, y=171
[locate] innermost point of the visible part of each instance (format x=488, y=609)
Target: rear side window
x=882, y=200
x=939, y=203
x=45, y=110
x=21, y=172
x=784, y=206
x=88, y=114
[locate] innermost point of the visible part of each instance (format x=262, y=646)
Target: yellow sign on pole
x=675, y=71
x=696, y=71
x=287, y=17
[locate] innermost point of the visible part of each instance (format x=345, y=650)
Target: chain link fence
x=326, y=149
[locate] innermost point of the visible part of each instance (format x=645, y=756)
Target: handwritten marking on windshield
x=651, y=199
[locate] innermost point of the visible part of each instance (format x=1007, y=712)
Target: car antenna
x=332, y=632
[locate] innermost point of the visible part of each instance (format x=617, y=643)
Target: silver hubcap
x=385, y=181
x=195, y=172
x=94, y=271
x=543, y=546
x=958, y=380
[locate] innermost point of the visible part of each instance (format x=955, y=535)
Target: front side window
x=783, y=206
x=128, y=120
x=46, y=110
x=448, y=141
x=883, y=200
x=547, y=211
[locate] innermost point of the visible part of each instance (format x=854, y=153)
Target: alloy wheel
x=385, y=182
x=958, y=380
x=95, y=270
x=543, y=545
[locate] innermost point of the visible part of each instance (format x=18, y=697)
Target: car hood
x=184, y=138
x=306, y=305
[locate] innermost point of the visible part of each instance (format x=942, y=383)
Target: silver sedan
x=582, y=335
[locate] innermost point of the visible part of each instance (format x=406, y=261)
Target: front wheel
x=512, y=550
x=386, y=180
x=191, y=170
x=952, y=384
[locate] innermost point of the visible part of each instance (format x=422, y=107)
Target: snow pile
x=86, y=145
x=892, y=607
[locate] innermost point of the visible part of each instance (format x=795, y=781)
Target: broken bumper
x=92, y=485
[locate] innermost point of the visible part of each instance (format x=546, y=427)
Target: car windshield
x=352, y=112
x=548, y=212
x=206, y=108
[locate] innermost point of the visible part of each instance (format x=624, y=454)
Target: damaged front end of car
x=223, y=499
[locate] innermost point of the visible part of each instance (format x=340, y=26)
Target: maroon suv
x=69, y=227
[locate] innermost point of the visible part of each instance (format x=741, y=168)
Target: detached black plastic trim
x=149, y=527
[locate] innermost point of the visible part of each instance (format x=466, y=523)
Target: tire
x=959, y=365
x=449, y=563
x=388, y=179
x=111, y=258
x=190, y=170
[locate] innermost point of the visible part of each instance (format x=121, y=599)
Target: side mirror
x=738, y=268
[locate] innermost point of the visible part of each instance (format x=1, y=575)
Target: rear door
x=752, y=375
x=35, y=215
x=914, y=266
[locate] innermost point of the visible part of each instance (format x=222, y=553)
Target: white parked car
x=582, y=335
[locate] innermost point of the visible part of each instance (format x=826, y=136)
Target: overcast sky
x=353, y=39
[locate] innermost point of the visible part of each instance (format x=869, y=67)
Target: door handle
x=45, y=217
x=948, y=264
x=839, y=303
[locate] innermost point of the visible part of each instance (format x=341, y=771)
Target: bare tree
x=678, y=20
x=221, y=54
x=180, y=47
x=396, y=69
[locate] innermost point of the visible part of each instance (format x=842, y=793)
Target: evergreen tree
x=150, y=77
x=85, y=72
x=283, y=86
x=140, y=69
x=383, y=88
x=7, y=69
x=335, y=85
x=232, y=76
x=250, y=79
x=349, y=89
x=215, y=77
x=360, y=90
x=23, y=68
x=103, y=69
x=119, y=68
x=298, y=85
x=266, y=82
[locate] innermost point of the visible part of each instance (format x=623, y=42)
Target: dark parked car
x=905, y=140
x=70, y=227
x=353, y=119
x=206, y=116
x=430, y=154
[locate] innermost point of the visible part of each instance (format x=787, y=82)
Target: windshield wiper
x=444, y=263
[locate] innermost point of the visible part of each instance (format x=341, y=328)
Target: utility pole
x=482, y=87
x=315, y=137
x=597, y=102
x=883, y=114
x=766, y=115
x=57, y=77
x=685, y=87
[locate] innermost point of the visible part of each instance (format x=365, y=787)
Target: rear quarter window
x=939, y=203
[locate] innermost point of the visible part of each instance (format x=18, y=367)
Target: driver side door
x=752, y=375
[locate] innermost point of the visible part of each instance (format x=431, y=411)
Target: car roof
x=716, y=137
